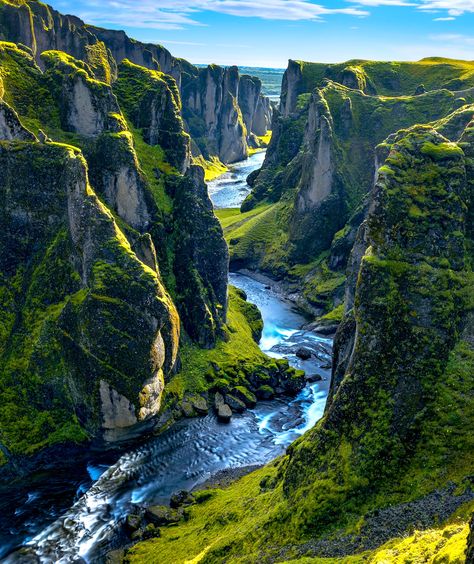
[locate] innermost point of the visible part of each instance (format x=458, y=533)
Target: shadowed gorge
x=232, y=329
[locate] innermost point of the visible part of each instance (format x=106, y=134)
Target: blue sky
x=269, y=32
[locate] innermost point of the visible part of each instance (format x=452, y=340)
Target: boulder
x=161, y=515
x=244, y=395
x=218, y=400
x=265, y=392
x=303, y=353
x=314, y=377
x=133, y=523
x=151, y=532
x=224, y=413
x=326, y=329
x=200, y=405
x=237, y=405
x=181, y=498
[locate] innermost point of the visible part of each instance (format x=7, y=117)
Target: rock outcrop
x=212, y=112
x=96, y=329
x=409, y=310
x=201, y=258
x=262, y=119
x=88, y=107
x=151, y=101
x=10, y=126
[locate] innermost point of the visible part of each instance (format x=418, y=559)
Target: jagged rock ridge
x=212, y=97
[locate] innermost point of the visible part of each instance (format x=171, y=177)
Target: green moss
x=213, y=168
x=334, y=315
x=394, y=78
x=234, y=360
x=98, y=60
x=26, y=89
x=441, y=151
x=153, y=163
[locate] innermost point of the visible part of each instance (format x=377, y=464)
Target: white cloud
x=176, y=14
x=448, y=19
x=453, y=7
x=376, y=3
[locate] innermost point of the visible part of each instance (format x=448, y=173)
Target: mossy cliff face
x=201, y=258
x=41, y=28
x=393, y=451
x=211, y=97
x=87, y=106
x=376, y=78
x=88, y=331
x=151, y=101
x=320, y=167
x=256, y=108
x=212, y=112
x=412, y=304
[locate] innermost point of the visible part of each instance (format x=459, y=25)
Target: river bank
x=190, y=452
x=86, y=516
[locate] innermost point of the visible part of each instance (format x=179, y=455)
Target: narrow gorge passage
x=193, y=450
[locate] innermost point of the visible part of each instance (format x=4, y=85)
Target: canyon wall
x=213, y=98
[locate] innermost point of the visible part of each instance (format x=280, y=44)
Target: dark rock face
x=10, y=126
x=256, y=108
x=201, y=258
x=148, y=55
x=262, y=119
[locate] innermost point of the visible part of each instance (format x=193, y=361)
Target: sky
x=267, y=33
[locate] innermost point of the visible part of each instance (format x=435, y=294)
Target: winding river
x=86, y=505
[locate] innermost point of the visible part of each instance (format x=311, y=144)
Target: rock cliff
x=112, y=257
x=310, y=196
x=92, y=349
x=213, y=98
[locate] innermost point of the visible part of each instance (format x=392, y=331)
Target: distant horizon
x=268, y=34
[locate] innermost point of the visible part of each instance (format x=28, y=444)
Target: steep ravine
x=181, y=458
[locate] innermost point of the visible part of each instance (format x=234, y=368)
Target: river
x=79, y=513
x=230, y=189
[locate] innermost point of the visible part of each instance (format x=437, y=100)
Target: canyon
x=315, y=404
